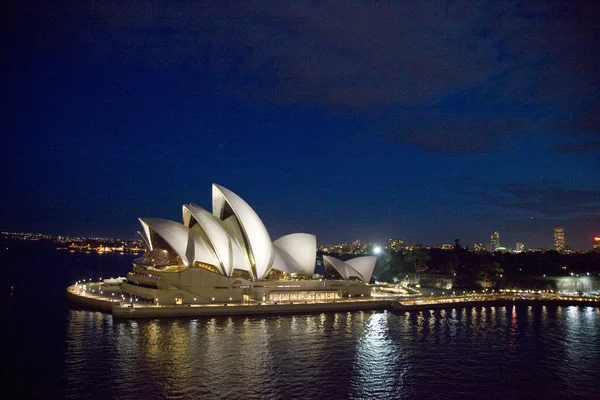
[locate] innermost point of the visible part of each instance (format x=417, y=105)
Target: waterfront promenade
x=108, y=298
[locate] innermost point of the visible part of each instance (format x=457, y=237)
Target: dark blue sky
x=427, y=122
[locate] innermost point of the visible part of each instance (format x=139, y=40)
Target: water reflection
x=449, y=353
x=513, y=330
x=378, y=370
x=574, y=348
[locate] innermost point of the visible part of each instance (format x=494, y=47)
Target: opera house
x=227, y=256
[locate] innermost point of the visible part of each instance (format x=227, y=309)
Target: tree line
x=461, y=262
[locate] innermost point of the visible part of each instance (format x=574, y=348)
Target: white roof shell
x=227, y=252
x=233, y=237
x=279, y=262
x=203, y=251
x=255, y=236
x=361, y=267
x=146, y=239
x=175, y=234
x=302, y=247
x=364, y=265
x=344, y=269
x=291, y=265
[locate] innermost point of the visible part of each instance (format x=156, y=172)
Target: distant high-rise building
x=357, y=247
x=559, y=239
x=597, y=243
x=495, y=240
x=519, y=247
x=397, y=245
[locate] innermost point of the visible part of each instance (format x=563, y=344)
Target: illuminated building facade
x=397, y=245
x=335, y=248
x=495, y=240
x=228, y=255
x=597, y=243
x=559, y=239
x=358, y=247
x=519, y=248
x=478, y=247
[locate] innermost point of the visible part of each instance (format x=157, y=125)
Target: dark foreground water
x=52, y=351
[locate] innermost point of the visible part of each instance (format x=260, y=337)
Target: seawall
x=498, y=302
x=119, y=311
x=88, y=301
x=126, y=311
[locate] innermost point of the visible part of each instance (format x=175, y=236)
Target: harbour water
x=54, y=351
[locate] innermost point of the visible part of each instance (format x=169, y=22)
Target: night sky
x=427, y=121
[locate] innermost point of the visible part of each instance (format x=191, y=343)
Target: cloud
x=545, y=199
x=447, y=133
x=589, y=120
x=369, y=59
x=577, y=147
x=580, y=133
x=358, y=55
x=580, y=129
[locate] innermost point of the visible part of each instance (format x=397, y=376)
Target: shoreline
x=122, y=310
x=499, y=302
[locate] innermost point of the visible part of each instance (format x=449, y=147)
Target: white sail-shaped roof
x=279, y=262
x=176, y=235
x=146, y=239
x=146, y=235
x=216, y=235
x=302, y=248
x=255, y=237
x=203, y=251
x=233, y=237
x=341, y=267
x=292, y=265
x=360, y=267
x=364, y=265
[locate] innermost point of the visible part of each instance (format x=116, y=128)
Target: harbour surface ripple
x=53, y=351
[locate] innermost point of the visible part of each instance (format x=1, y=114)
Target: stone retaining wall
x=236, y=310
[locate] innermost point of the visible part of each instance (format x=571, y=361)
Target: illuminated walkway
x=99, y=296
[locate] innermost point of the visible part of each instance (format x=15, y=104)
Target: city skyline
x=420, y=121
x=354, y=247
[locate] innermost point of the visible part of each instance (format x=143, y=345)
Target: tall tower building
x=559, y=239
x=495, y=240
x=519, y=248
